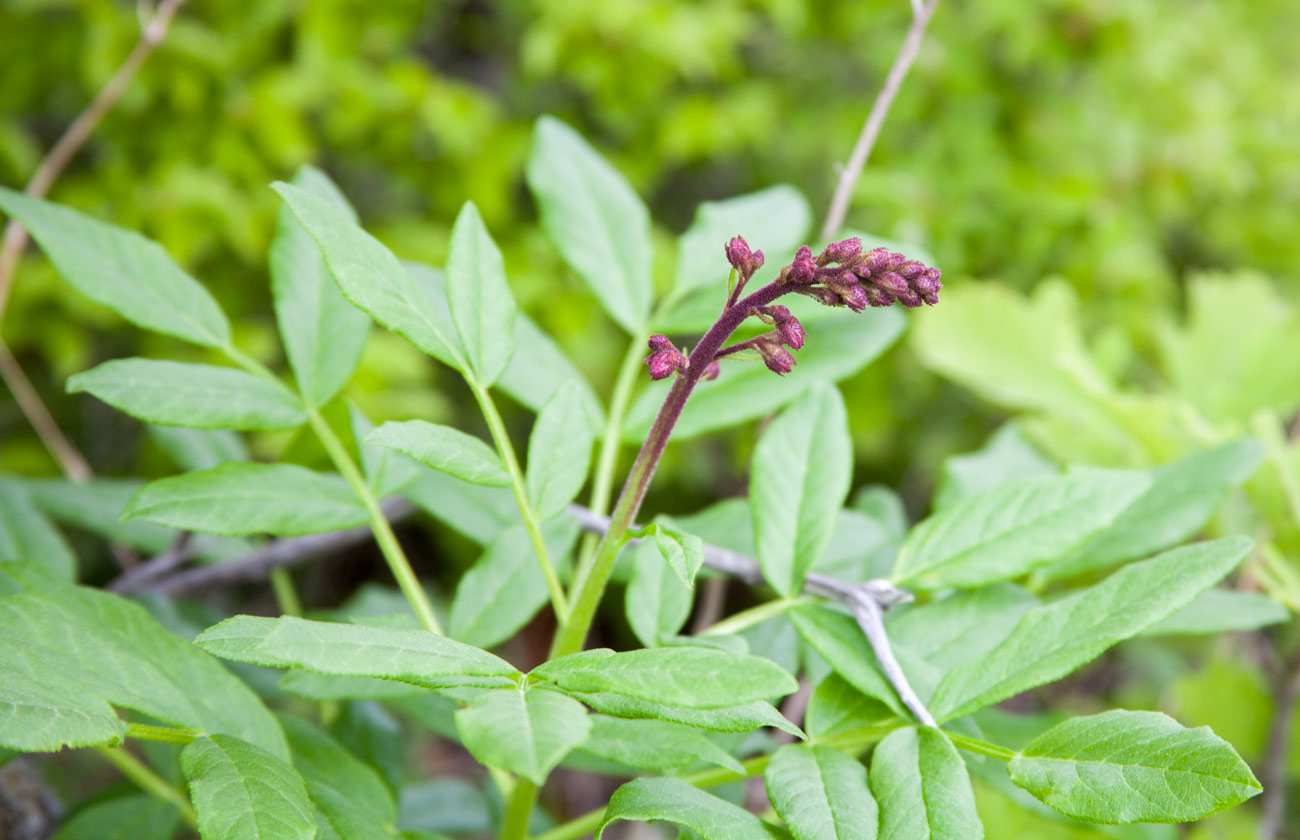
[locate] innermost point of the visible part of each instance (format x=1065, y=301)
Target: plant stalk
x=162, y=734
x=149, y=781
x=519, y=807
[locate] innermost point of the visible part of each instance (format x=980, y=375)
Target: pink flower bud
x=777, y=358
x=665, y=359
x=845, y=249
x=742, y=259
x=855, y=298
x=711, y=372
x=791, y=331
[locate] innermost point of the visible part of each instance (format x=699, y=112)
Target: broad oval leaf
x=121, y=269
x=559, y=451
x=801, y=471
x=600, y=226
x=444, y=449
x=1127, y=767
x=482, y=306
x=654, y=745
x=237, y=499
x=323, y=334
x=1013, y=529
x=922, y=788
x=676, y=801
x=198, y=396
x=1056, y=638
x=242, y=792
x=525, y=732
x=821, y=793
x=370, y=277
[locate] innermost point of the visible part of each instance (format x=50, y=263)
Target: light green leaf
x=41, y=711
x=482, y=306
x=745, y=717
x=313, y=686
x=657, y=601
x=121, y=269
x=559, y=451
x=25, y=534
x=323, y=334
x=242, y=792
x=654, y=745
x=351, y=798
x=774, y=220
x=836, y=706
x=696, y=678
x=1055, y=639
x=525, y=732
x=125, y=818
x=839, y=640
x=198, y=396
x=478, y=513
x=386, y=471
x=1128, y=767
x=839, y=345
x=922, y=788
x=504, y=589
x=370, y=277
x=444, y=449
x=199, y=449
x=963, y=625
x=683, y=552
x=676, y=801
x=1005, y=457
x=413, y=656
x=1008, y=531
x=1217, y=611
x=800, y=476
x=821, y=794
x=1180, y=501
x=599, y=225
x=243, y=498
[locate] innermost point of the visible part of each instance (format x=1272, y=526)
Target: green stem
x=285, y=593
x=507, y=452
x=150, y=782
x=514, y=825
x=756, y=615
x=163, y=734
x=982, y=747
x=384, y=536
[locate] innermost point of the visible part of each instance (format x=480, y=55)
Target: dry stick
x=71, y=461
x=921, y=13
x=1279, y=738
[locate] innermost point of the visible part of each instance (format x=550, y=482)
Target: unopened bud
x=742, y=258
x=791, y=332
x=845, y=249
x=664, y=359
x=711, y=372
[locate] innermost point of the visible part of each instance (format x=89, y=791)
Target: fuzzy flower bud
x=742, y=259
x=664, y=359
x=711, y=372
x=778, y=359
x=804, y=268
x=838, y=252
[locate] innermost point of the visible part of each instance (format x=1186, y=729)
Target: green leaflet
x=482, y=307
x=193, y=395
x=653, y=745
x=922, y=788
x=199, y=449
x=351, y=798
x=323, y=334
x=1221, y=611
x=1005, y=457
x=525, y=732
x=412, y=656
x=950, y=631
x=840, y=642
x=242, y=792
x=599, y=225
x=821, y=793
x=696, y=678
x=444, y=449
x=657, y=602
x=25, y=534
x=370, y=277
x=801, y=471
x=240, y=498
x=683, y=552
x=478, y=513
x=1054, y=639
x=121, y=269
x=138, y=817
x=836, y=707
x=559, y=451
x=742, y=718
x=386, y=470
x=676, y=801
x=1127, y=767
x=1011, y=530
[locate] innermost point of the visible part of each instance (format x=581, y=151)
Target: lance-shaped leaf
x=240, y=498
x=745, y=717
x=1126, y=767
x=350, y=797
x=370, y=277
x=676, y=801
x=539, y=367
x=922, y=788
x=802, y=467
x=839, y=640
x=184, y=394
x=559, y=451
x=1221, y=611
x=482, y=307
x=683, y=552
x=1005, y=532
x=355, y=650
x=241, y=792
x=525, y=732
x=1056, y=638
x=25, y=534
x=654, y=745
x=444, y=449
x=386, y=470
x=657, y=601
x=821, y=794
x=950, y=631
x=1005, y=457
x=121, y=269
x=323, y=334
x=599, y=225
x=139, y=817
x=696, y=678
x=199, y=449
x=836, y=706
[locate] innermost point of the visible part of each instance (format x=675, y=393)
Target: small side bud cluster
x=845, y=275
x=775, y=356
x=745, y=261
x=664, y=359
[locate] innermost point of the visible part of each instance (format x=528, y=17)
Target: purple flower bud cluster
x=664, y=359
x=845, y=275
x=745, y=261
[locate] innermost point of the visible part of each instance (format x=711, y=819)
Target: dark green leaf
x=127, y=818
x=821, y=794
x=963, y=625
x=676, y=801
x=242, y=792
x=922, y=788
x=654, y=745
x=25, y=534
x=351, y=799
x=836, y=707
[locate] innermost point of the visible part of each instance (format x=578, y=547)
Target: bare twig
x=922, y=10
x=140, y=576
x=1279, y=742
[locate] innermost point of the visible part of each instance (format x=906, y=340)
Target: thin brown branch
x=922, y=11
x=1279, y=746
x=70, y=460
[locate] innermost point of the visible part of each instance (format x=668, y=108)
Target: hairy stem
x=507, y=452
x=149, y=781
